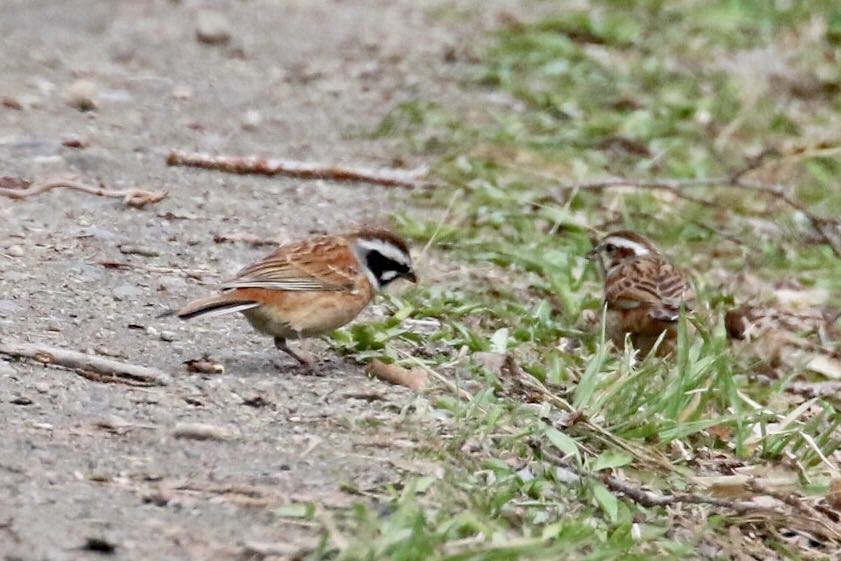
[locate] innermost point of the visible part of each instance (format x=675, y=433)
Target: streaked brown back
x=650, y=281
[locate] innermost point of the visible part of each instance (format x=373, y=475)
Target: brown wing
x=649, y=282
x=323, y=264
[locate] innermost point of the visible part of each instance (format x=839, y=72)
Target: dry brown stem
x=299, y=169
x=250, y=239
x=132, y=197
x=92, y=367
x=828, y=229
x=797, y=516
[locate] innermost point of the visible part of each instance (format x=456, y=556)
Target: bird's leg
x=280, y=343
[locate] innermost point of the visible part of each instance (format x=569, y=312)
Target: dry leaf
x=721, y=432
x=414, y=379
x=829, y=367
x=204, y=366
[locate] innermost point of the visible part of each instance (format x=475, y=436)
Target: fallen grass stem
x=822, y=225
x=800, y=516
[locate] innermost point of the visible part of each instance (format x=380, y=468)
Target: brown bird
x=643, y=290
x=310, y=287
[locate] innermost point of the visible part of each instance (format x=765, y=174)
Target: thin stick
x=641, y=496
x=89, y=366
x=674, y=186
x=303, y=170
x=650, y=499
x=438, y=226
x=250, y=239
x=132, y=197
x=737, y=180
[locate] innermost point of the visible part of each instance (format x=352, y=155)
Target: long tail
x=212, y=306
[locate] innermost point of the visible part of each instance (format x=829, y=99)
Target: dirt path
x=301, y=79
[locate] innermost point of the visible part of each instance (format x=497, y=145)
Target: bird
x=309, y=287
x=643, y=291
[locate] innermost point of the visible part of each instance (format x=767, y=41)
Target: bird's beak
x=411, y=276
x=592, y=254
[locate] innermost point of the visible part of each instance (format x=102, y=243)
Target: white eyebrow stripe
x=636, y=247
x=386, y=249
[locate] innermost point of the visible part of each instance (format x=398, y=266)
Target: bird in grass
x=643, y=291
x=310, y=287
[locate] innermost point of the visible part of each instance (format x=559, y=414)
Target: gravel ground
x=303, y=79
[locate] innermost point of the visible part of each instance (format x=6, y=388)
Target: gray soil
x=81, y=459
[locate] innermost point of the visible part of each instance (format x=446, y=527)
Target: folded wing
x=304, y=266
x=649, y=282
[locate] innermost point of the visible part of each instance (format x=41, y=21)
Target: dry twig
x=799, y=517
x=303, y=170
x=92, y=367
x=828, y=229
x=22, y=189
x=250, y=239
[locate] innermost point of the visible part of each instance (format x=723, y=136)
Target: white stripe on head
x=636, y=247
x=387, y=249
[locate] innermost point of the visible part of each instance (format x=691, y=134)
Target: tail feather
x=213, y=306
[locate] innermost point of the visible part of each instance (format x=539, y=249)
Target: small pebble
x=6, y=369
x=492, y=362
x=105, y=351
x=54, y=161
x=131, y=249
x=12, y=103
x=158, y=498
x=251, y=120
x=29, y=101
x=201, y=431
x=212, y=28
x=99, y=545
x=167, y=336
x=126, y=292
x=167, y=284
x=41, y=387
x=82, y=95
x=74, y=142
x=9, y=307
x=14, y=251
x=182, y=92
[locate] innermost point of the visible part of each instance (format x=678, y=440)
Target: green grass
x=635, y=89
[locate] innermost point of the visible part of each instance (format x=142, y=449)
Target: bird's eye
x=610, y=248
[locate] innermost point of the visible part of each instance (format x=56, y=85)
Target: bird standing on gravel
x=310, y=287
x=643, y=291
